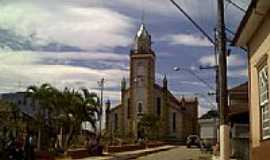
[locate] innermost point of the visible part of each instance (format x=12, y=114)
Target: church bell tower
x=142, y=74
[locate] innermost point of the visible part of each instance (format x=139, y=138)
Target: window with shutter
x=264, y=101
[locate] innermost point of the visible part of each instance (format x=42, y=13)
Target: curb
x=133, y=156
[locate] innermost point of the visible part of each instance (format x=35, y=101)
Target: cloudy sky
x=77, y=42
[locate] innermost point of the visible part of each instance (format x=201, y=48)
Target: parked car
x=193, y=140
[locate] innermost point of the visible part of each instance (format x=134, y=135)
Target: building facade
x=24, y=103
x=254, y=35
x=208, y=124
x=239, y=120
x=178, y=116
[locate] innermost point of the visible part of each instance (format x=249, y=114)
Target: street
x=179, y=153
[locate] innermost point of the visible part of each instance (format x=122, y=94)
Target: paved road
x=179, y=153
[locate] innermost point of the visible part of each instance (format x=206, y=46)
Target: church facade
x=144, y=96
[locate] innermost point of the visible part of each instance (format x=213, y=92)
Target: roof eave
x=250, y=22
x=243, y=23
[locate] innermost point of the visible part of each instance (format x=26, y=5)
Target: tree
x=149, y=124
x=75, y=108
x=90, y=107
x=11, y=122
x=10, y=114
x=63, y=110
x=42, y=98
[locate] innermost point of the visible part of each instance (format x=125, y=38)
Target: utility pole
x=108, y=111
x=215, y=67
x=101, y=85
x=223, y=98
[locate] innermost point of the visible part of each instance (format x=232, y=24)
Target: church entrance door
x=140, y=132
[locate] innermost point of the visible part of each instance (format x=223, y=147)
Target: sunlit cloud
x=233, y=60
x=236, y=73
x=91, y=28
x=20, y=70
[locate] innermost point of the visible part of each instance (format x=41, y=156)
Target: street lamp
x=101, y=85
x=195, y=75
x=176, y=68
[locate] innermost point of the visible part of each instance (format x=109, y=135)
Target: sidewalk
x=131, y=154
x=217, y=158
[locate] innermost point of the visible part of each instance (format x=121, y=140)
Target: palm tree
x=42, y=102
x=78, y=107
x=69, y=103
x=67, y=108
x=90, y=107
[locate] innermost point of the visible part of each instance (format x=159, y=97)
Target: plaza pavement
x=168, y=152
x=131, y=154
x=178, y=153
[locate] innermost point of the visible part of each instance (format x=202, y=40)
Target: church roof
x=210, y=114
x=178, y=100
x=188, y=99
x=116, y=107
x=172, y=98
x=242, y=88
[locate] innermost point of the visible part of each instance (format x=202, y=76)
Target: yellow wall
x=259, y=47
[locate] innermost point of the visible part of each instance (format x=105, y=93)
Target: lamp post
x=108, y=119
x=101, y=85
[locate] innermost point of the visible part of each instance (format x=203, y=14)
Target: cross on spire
x=143, y=13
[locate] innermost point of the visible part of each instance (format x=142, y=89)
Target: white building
x=209, y=124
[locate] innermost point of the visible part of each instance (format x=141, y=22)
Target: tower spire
x=142, y=40
x=165, y=82
x=123, y=84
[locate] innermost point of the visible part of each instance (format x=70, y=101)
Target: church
x=144, y=96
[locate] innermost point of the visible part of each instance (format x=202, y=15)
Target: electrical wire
x=193, y=22
x=236, y=5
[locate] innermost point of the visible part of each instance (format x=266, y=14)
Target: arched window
x=158, y=106
x=174, y=122
x=140, y=107
x=115, y=121
x=128, y=108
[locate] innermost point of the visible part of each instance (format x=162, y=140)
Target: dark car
x=193, y=140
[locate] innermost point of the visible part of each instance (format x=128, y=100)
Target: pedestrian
x=29, y=147
x=19, y=148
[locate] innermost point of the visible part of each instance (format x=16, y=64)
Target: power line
x=236, y=5
x=194, y=75
x=193, y=22
x=206, y=98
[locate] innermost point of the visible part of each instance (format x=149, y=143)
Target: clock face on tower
x=140, y=71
